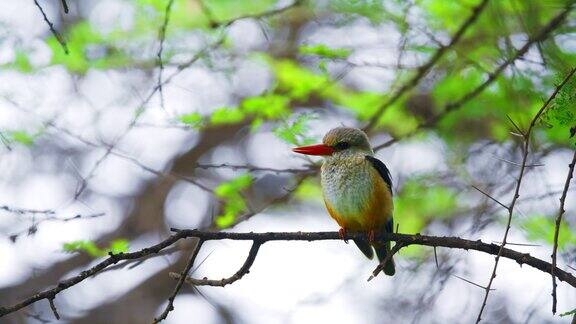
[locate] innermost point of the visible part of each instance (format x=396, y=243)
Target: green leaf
x=541, y=228
x=230, y=194
x=119, y=246
x=309, y=189
x=230, y=188
x=227, y=115
x=419, y=201
x=572, y=312
x=298, y=82
x=296, y=132
x=364, y=104
x=86, y=246
x=269, y=106
x=371, y=9
x=79, y=38
x=195, y=120
x=323, y=66
x=21, y=137
x=325, y=51
x=255, y=125
x=561, y=116
x=22, y=62
x=226, y=220
x=223, y=10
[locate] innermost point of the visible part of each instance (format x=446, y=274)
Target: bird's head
x=340, y=142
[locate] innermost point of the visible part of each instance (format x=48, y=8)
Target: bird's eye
x=341, y=146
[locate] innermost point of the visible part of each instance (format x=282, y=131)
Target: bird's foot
x=371, y=235
x=342, y=234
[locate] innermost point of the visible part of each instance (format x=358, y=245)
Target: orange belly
x=371, y=213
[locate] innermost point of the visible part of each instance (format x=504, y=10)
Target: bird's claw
x=342, y=235
x=371, y=235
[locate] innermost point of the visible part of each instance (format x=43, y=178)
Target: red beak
x=319, y=149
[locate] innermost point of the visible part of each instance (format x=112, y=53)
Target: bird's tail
x=365, y=247
x=382, y=250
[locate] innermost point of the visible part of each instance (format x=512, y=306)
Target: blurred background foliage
x=323, y=63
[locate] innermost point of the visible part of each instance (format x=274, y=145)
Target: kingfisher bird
x=357, y=189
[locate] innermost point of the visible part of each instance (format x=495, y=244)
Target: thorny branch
x=526, y=137
x=542, y=34
x=557, y=227
x=261, y=238
x=424, y=69
x=181, y=280
x=244, y=269
x=56, y=34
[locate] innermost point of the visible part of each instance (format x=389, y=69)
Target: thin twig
x=32, y=229
x=517, y=244
x=183, y=274
x=405, y=239
x=424, y=69
x=520, y=131
x=5, y=141
x=162, y=37
x=388, y=257
x=53, y=308
x=250, y=167
x=244, y=269
x=22, y=211
x=489, y=196
x=517, y=189
x=140, y=111
x=518, y=164
x=561, y=212
x=56, y=34
x=470, y=282
x=65, y=6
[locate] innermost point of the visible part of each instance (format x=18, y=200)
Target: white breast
x=347, y=187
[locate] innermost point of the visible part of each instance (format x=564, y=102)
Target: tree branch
x=245, y=269
x=542, y=34
x=510, y=207
x=261, y=238
x=183, y=275
x=56, y=34
x=424, y=69
x=388, y=257
x=557, y=228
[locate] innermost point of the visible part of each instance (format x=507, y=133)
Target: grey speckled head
x=344, y=138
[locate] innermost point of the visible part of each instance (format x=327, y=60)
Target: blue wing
x=385, y=174
x=382, y=170
x=383, y=249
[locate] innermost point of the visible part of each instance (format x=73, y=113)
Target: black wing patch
x=382, y=170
